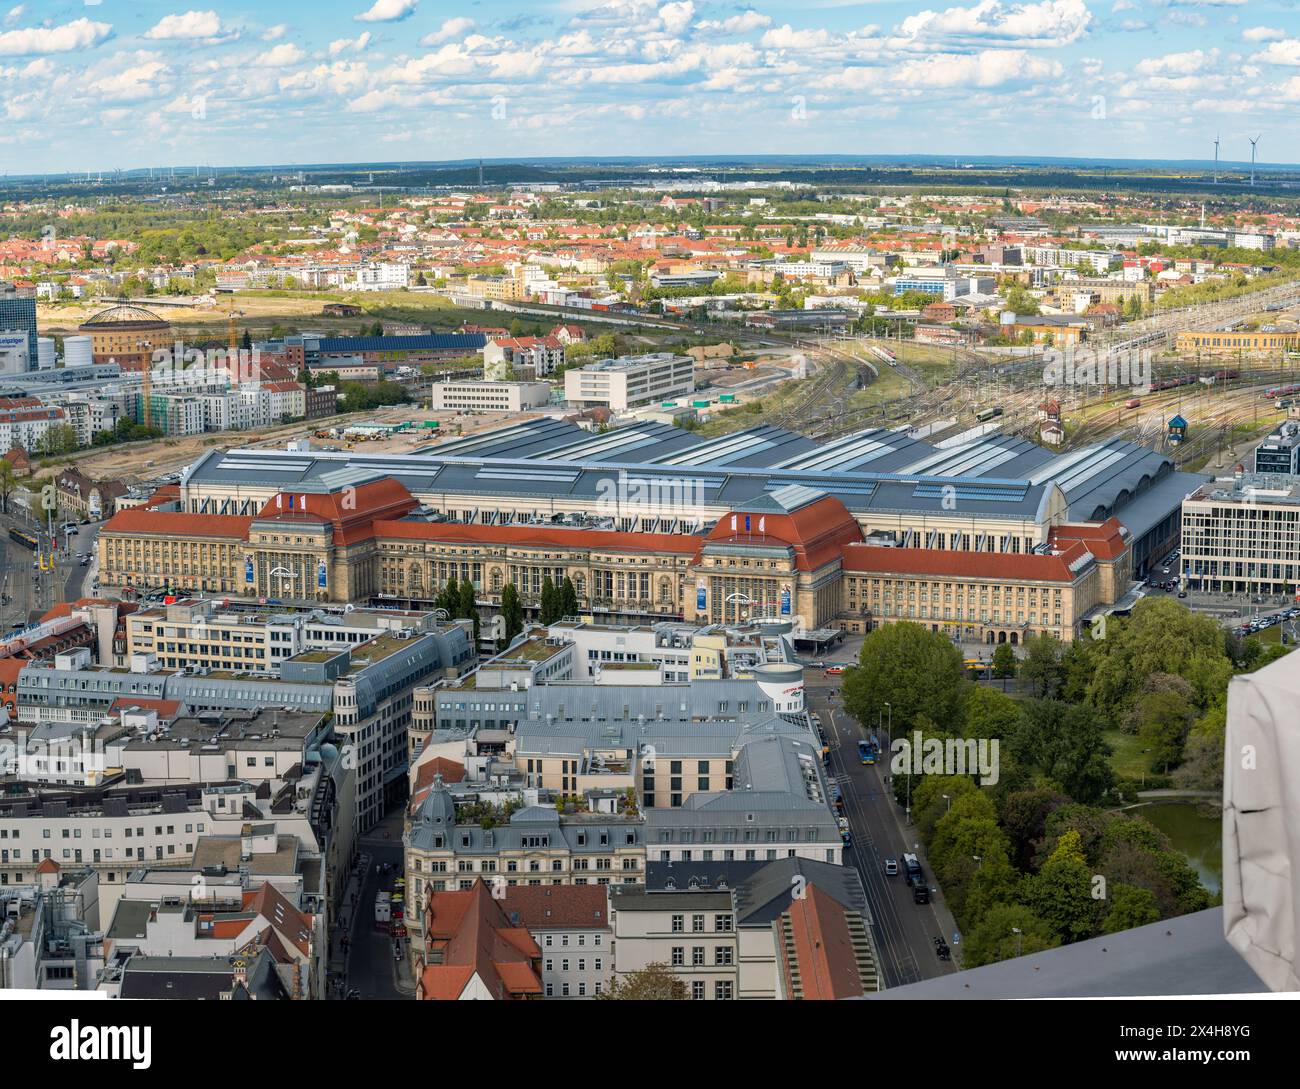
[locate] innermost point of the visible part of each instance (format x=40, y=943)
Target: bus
x=24, y=539
x=976, y=667
x=866, y=752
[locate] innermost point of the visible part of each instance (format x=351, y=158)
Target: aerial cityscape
x=649, y=501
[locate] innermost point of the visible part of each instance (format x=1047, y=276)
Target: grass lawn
x=1128, y=760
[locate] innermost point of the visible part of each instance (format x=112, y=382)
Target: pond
x=1196, y=831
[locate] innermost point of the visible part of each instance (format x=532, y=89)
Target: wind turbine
x=1252, y=157
x=1216, y=158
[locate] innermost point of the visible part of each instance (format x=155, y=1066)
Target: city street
x=371, y=968
x=904, y=931
x=32, y=592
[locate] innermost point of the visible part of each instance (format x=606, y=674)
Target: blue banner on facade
x=785, y=601
x=321, y=574
x=248, y=569
x=699, y=596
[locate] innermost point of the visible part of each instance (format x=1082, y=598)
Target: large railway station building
x=991, y=541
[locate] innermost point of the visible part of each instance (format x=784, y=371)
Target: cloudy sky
x=99, y=84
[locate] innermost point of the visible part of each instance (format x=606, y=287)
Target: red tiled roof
x=178, y=523
x=475, y=937
x=823, y=948
x=1105, y=540
x=539, y=907
x=818, y=532
x=355, y=515
x=877, y=559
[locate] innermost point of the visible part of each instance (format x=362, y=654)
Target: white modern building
x=631, y=381
x=489, y=396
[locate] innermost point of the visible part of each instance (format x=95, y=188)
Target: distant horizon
x=754, y=159
x=104, y=85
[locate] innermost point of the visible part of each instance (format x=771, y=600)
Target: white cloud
x=281, y=56
x=141, y=78
x=190, y=26
x=677, y=16
x=989, y=68
x=1285, y=52
x=737, y=24
x=274, y=33
x=786, y=37
x=387, y=11
x=1048, y=23
x=1180, y=64
x=1263, y=34
x=342, y=45
x=452, y=28
x=68, y=38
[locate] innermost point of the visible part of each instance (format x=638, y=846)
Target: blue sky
x=126, y=83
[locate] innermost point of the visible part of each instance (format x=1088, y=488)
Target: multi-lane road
x=25, y=591
x=904, y=931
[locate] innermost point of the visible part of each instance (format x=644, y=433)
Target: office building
x=18, y=316
x=630, y=382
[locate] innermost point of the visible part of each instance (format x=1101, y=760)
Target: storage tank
x=45, y=354
x=77, y=351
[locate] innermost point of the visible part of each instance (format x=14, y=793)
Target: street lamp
x=1016, y=931
x=947, y=798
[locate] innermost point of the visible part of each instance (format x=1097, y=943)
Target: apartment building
x=693, y=932
x=804, y=929
x=539, y=355
x=630, y=382
x=570, y=924
x=368, y=688
x=598, y=840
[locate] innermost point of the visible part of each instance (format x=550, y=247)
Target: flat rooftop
x=1187, y=955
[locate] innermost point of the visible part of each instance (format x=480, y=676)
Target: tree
x=1043, y=664
x=653, y=983
x=467, y=605
x=995, y=937
x=8, y=482
x=1164, y=718
x=1004, y=661
x=1024, y=816
x=1061, y=893
x=1161, y=636
x=1065, y=743
x=989, y=713
x=550, y=604
x=916, y=671
x=568, y=598
x=1129, y=907
x=512, y=613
